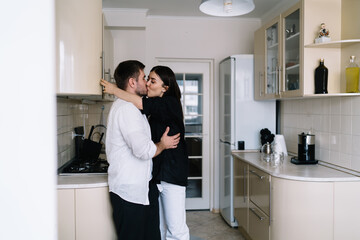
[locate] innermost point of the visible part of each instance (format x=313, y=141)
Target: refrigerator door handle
x=227, y=142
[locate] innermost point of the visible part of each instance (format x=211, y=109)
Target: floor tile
x=205, y=225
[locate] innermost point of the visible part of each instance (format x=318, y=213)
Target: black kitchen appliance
x=306, y=149
x=91, y=150
x=87, y=154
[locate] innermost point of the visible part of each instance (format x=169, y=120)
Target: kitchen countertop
x=82, y=181
x=316, y=173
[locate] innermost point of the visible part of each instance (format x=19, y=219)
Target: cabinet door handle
x=260, y=85
x=279, y=83
x=245, y=184
x=256, y=174
x=254, y=212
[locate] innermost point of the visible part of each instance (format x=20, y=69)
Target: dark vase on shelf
x=321, y=78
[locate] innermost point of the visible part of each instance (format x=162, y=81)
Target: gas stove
x=77, y=166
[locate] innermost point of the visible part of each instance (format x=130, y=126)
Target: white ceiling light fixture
x=226, y=8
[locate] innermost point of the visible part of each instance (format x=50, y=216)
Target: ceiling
x=189, y=8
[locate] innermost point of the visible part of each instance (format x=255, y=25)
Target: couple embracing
x=146, y=151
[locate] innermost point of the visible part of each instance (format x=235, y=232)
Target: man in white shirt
x=129, y=150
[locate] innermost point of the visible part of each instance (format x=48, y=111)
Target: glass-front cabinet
x=272, y=51
x=279, y=44
x=291, y=74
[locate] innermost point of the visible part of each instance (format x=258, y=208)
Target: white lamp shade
x=216, y=7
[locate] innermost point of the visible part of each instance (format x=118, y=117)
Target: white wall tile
x=355, y=120
x=355, y=106
x=335, y=124
x=335, y=142
x=344, y=160
x=316, y=106
x=335, y=106
x=346, y=106
x=326, y=106
x=334, y=157
x=71, y=114
x=346, y=126
x=355, y=163
x=356, y=145
x=346, y=144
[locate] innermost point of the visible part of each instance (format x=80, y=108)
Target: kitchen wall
x=73, y=113
x=335, y=122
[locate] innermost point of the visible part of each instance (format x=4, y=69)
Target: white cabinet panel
x=66, y=214
x=85, y=214
x=347, y=210
x=301, y=210
x=93, y=214
x=78, y=47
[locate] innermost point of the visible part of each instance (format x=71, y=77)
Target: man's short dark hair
x=126, y=70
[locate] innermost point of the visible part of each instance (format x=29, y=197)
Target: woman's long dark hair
x=168, y=77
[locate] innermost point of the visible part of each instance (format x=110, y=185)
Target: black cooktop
x=98, y=166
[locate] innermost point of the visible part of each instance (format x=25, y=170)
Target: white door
x=195, y=79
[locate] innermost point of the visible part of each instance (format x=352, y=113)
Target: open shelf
x=309, y=96
x=333, y=44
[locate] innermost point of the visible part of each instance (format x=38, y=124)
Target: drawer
x=259, y=189
x=259, y=223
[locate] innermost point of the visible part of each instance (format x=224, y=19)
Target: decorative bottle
x=321, y=78
x=352, y=76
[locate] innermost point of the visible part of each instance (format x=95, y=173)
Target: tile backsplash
x=335, y=121
x=74, y=113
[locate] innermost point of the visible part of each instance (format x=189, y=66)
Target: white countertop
x=317, y=172
x=82, y=181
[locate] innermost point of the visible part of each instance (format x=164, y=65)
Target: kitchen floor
x=205, y=225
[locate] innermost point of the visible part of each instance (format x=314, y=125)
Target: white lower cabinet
x=270, y=207
x=85, y=214
x=347, y=210
x=66, y=214
x=301, y=210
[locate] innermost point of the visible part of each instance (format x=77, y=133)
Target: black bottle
x=321, y=78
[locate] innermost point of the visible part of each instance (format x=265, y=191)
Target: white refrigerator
x=241, y=119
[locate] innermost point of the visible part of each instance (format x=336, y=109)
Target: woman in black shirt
x=170, y=169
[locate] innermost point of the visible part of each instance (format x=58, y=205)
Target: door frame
x=211, y=100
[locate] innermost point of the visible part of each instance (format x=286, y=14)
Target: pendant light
x=226, y=8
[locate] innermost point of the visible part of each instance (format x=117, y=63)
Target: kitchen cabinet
x=346, y=202
x=241, y=196
x=78, y=47
x=301, y=210
x=288, y=55
x=66, y=214
x=278, y=55
x=259, y=205
x=85, y=214
x=108, y=56
x=295, y=201
x=259, y=65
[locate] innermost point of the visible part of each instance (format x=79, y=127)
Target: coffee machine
x=306, y=149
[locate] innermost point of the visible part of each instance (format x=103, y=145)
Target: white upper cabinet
x=78, y=47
